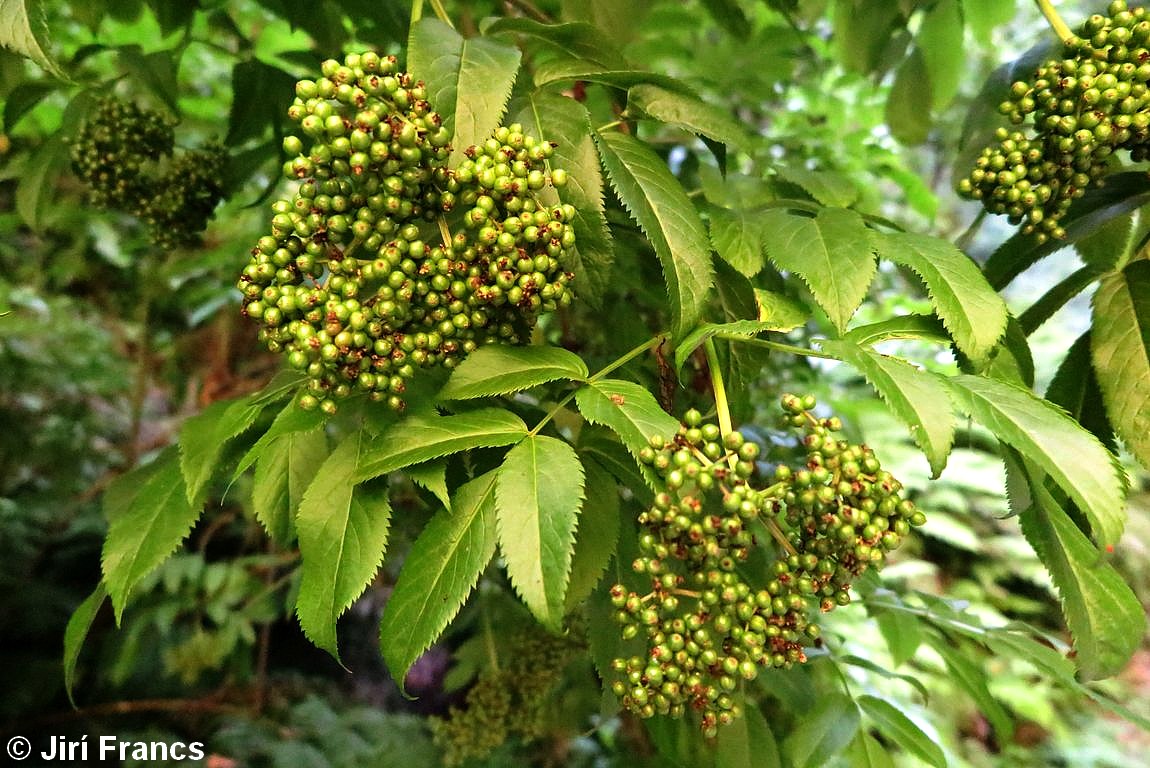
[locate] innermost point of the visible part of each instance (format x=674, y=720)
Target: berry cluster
x=708, y=621
x=1087, y=105
x=361, y=281
x=125, y=155
x=509, y=702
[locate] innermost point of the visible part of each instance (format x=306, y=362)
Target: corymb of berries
x=385, y=260
x=707, y=621
x=1084, y=107
x=126, y=156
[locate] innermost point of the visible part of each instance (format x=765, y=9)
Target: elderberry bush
x=710, y=619
x=386, y=260
x=1083, y=107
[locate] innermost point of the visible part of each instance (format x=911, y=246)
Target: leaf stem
x=530, y=10
x=441, y=12
x=778, y=346
x=608, y=126
x=1054, y=20
x=489, y=642
x=722, y=407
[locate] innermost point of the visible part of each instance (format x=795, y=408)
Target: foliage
x=526, y=271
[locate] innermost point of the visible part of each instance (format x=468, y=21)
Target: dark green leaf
x=261, y=95
x=824, y=732
x=699, y=336
x=900, y=729
x=283, y=473
x=500, y=369
x=1056, y=298
x=539, y=494
x=36, y=193
x=971, y=677
x=658, y=203
x=438, y=574
x=628, y=409
x=417, y=439
x=24, y=98
x=76, y=632
x=908, y=104
x=597, y=535
x=575, y=40
x=690, y=113
x=1120, y=347
x=1075, y=388
x=1108, y=245
x=157, y=71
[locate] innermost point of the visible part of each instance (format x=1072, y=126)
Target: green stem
x=778, y=346
x=1056, y=23
x=608, y=126
x=489, y=642
x=628, y=357
x=722, y=407
x=441, y=12
x=416, y=10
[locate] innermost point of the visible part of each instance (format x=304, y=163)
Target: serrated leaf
x=870, y=666
x=500, y=369
x=23, y=29
x=291, y=419
x=866, y=752
x=1120, y=348
x=747, y=743
x=597, y=535
x=283, y=473
x=972, y=312
x=343, y=532
x=539, y=494
x=564, y=69
x=1104, y=615
x=900, y=729
x=79, y=624
x=575, y=40
x=909, y=100
x=1076, y=389
x=468, y=79
x=912, y=326
x=862, y=29
x=658, y=203
x=24, y=98
x=144, y=532
x=939, y=39
x=438, y=574
x=157, y=71
x=737, y=237
x=567, y=123
x=918, y=398
x=824, y=732
x=1106, y=247
x=1045, y=435
x=628, y=409
x=432, y=477
x=421, y=438
x=971, y=677
x=1012, y=359
x=830, y=252
x=690, y=113
x=699, y=336
x=781, y=310
x=203, y=437
x=827, y=187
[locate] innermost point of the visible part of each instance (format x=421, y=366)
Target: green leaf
x=1076, y=389
x=747, y=743
x=145, y=530
x=881, y=671
x=36, y=193
x=203, y=437
x=1056, y=298
x=982, y=16
x=157, y=71
x=728, y=15
x=830, y=252
x=699, y=336
x=499, y=369
x=658, y=203
x=1107, y=246
x=567, y=124
x=909, y=101
x=342, y=537
x=24, y=98
x=902, y=634
x=628, y=409
x=261, y=94
x=1120, y=347
x=918, y=398
x=912, y=326
x=432, y=476
x=829, y=188
x=291, y=419
x=597, y=535
x=971, y=677
x=24, y=30
x=781, y=310
x=824, y=732
x=468, y=79
x=283, y=473
x=575, y=40
x=972, y=312
x=737, y=236
x=1045, y=435
x=900, y=729
x=538, y=495
x=939, y=39
x=76, y=632
x=421, y=438
x=1012, y=359
x=866, y=752
x=1103, y=613
x=689, y=112
x=862, y=30
x=438, y=574
x=562, y=69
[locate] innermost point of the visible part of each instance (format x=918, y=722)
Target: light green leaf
x=1120, y=348
x=690, y=113
x=432, y=476
x=969, y=308
x=24, y=30
x=779, y=309
x=291, y=419
x=866, y=752
x=881, y=671
x=1103, y=613
x=146, y=528
x=827, y=187
x=913, y=326
x=830, y=252
x=824, y=732
x=1107, y=246
x=567, y=123
x=900, y=729
x=918, y=398
x=971, y=677
x=747, y=743
x=76, y=632
x=283, y=473
x=627, y=409
x=658, y=203
x=902, y=634
x=562, y=69
x=862, y=30
x=1076, y=389
x=575, y=40
x=597, y=534
x=417, y=439
x=468, y=79
x=438, y=574
x=737, y=237
x=539, y=494
x=499, y=369
x=342, y=537
x=698, y=337
x=1045, y=435
x=982, y=16
x=940, y=41
x=909, y=101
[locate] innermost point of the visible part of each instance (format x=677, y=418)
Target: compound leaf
x=689, y=112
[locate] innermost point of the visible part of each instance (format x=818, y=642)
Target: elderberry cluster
x=1084, y=107
x=709, y=619
x=126, y=156
x=362, y=281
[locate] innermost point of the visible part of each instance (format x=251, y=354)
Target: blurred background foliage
x=107, y=345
